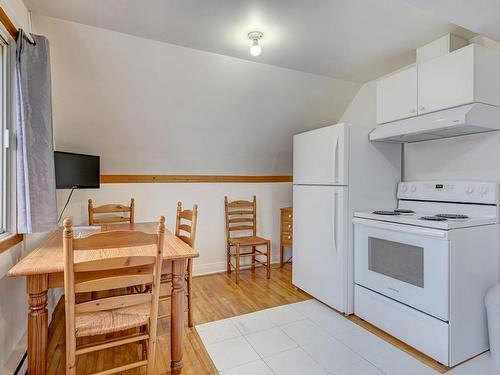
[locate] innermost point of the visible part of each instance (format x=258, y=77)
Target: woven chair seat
x=247, y=241
x=103, y=322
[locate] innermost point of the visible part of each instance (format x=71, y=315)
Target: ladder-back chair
x=185, y=229
x=83, y=273
x=241, y=217
x=111, y=213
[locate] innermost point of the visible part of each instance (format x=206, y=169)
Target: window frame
x=8, y=228
x=4, y=141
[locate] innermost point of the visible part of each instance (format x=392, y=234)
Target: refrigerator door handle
x=334, y=222
x=335, y=164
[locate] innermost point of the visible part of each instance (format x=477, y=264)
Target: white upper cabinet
x=446, y=81
x=397, y=96
x=468, y=75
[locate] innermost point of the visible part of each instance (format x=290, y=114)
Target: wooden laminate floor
x=215, y=297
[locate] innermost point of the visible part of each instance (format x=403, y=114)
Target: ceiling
x=481, y=16
x=356, y=40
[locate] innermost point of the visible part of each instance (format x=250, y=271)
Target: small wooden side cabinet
x=286, y=237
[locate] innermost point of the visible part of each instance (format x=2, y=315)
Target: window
x=4, y=139
x=7, y=186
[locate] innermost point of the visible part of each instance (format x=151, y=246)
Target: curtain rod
x=9, y=25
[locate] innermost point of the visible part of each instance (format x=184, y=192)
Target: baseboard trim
x=178, y=178
x=17, y=364
x=218, y=267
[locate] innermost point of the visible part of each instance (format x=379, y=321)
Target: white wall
x=373, y=166
x=473, y=157
x=152, y=107
x=153, y=200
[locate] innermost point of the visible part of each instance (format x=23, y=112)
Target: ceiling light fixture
x=255, y=48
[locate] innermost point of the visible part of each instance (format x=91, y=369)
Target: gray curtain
x=35, y=179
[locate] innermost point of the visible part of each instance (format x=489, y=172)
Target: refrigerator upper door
x=320, y=243
x=320, y=156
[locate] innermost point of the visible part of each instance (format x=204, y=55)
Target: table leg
x=177, y=316
x=37, y=286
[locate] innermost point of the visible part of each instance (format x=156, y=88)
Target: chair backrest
x=240, y=216
x=119, y=213
x=185, y=224
x=94, y=273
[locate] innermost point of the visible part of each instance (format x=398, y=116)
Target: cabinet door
x=397, y=96
x=446, y=81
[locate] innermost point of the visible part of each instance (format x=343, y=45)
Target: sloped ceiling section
x=480, y=16
x=356, y=40
x=149, y=107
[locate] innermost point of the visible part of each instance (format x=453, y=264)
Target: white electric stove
x=438, y=205
x=422, y=269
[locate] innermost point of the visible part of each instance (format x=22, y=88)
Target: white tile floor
x=481, y=365
x=309, y=338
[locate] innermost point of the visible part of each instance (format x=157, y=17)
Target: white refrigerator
x=334, y=171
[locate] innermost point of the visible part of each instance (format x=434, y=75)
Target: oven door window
x=396, y=260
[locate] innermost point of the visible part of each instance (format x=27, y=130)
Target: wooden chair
x=241, y=216
x=112, y=209
x=117, y=313
x=185, y=229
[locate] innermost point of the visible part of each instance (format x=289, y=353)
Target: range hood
x=463, y=120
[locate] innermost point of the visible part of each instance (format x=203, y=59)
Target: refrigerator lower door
x=320, y=243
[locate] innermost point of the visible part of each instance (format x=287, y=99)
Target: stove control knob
x=483, y=189
x=469, y=189
x=413, y=189
x=404, y=188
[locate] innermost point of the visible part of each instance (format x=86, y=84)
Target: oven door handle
x=436, y=233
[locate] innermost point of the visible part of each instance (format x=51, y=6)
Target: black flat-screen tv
x=76, y=171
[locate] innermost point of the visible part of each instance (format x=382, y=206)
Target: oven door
x=406, y=263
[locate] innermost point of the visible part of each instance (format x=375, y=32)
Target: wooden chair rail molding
x=176, y=178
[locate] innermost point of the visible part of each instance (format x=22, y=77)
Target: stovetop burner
x=453, y=216
x=388, y=213
x=403, y=211
x=433, y=218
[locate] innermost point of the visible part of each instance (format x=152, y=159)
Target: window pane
x=3, y=153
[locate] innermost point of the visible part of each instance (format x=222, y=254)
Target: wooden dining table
x=44, y=269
